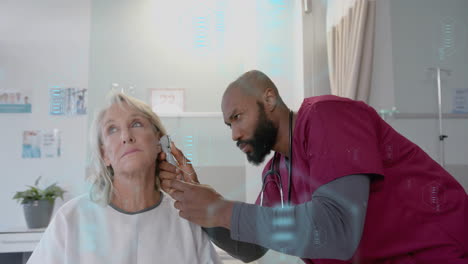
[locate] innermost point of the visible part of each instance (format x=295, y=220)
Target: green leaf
x=34, y=193
x=37, y=181
x=53, y=191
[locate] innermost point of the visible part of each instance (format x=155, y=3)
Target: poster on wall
x=31, y=144
x=41, y=144
x=14, y=101
x=67, y=101
x=51, y=144
x=460, y=101
x=167, y=101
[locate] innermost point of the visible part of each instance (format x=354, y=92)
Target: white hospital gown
x=84, y=232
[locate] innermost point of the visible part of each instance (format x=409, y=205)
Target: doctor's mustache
x=247, y=142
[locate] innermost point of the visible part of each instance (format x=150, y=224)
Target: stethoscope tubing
x=276, y=173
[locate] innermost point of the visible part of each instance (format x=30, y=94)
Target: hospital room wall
x=201, y=49
x=252, y=35
x=79, y=45
x=42, y=44
x=400, y=78
x=132, y=45
x=191, y=46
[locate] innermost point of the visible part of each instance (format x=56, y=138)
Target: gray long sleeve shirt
x=328, y=226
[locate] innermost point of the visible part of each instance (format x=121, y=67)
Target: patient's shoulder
x=78, y=204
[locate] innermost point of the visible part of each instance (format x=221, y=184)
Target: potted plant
x=38, y=204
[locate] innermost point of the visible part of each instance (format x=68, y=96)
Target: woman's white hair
x=101, y=176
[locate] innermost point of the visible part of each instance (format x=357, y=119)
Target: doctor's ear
x=270, y=99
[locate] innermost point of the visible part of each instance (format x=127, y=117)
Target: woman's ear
x=158, y=142
x=158, y=147
x=104, y=156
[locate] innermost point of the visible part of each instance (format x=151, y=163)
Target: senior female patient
x=126, y=218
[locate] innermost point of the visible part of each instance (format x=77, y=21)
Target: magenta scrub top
x=417, y=212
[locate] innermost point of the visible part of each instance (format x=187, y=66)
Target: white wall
x=428, y=33
x=315, y=59
x=42, y=44
x=145, y=45
x=382, y=94
x=132, y=44
x=167, y=44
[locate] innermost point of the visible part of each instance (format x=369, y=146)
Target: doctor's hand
x=184, y=170
x=200, y=204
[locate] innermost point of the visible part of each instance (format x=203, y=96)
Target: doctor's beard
x=263, y=140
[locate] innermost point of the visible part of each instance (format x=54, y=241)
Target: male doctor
x=342, y=187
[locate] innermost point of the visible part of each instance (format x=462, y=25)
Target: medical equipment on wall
x=442, y=136
x=166, y=148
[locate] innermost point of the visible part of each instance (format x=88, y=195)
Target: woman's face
x=129, y=141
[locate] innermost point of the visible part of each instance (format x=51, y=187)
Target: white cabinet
x=19, y=239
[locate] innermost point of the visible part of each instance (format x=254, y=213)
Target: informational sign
x=167, y=101
x=14, y=101
x=460, y=101
x=41, y=144
x=51, y=144
x=31, y=144
x=67, y=101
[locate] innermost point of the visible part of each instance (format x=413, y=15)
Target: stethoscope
x=274, y=172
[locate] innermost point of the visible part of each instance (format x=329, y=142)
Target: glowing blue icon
x=188, y=147
x=284, y=223
x=56, y=101
x=220, y=25
x=282, y=236
x=201, y=30
x=447, y=45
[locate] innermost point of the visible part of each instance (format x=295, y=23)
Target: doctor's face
x=254, y=132
x=130, y=142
